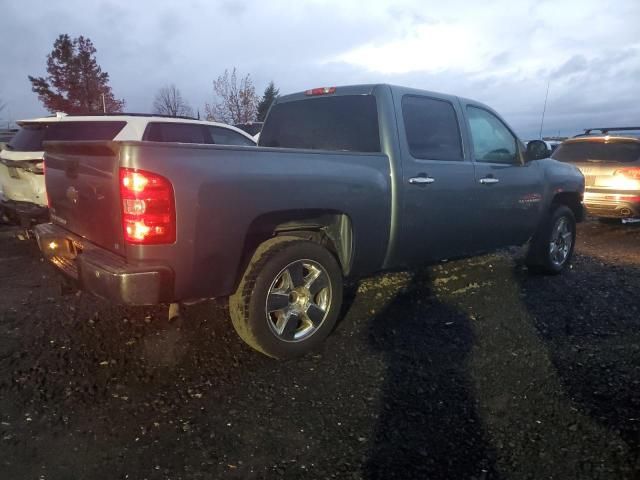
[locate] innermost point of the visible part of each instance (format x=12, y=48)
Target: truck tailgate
x=82, y=183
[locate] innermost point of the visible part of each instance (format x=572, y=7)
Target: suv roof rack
x=122, y=114
x=605, y=130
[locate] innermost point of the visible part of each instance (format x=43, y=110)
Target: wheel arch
x=329, y=228
x=573, y=200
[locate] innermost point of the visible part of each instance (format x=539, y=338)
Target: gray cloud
x=575, y=64
x=501, y=59
x=512, y=50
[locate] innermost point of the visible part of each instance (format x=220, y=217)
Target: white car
x=23, y=196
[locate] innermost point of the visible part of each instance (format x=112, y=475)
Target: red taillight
x=321, y=91
x=148, y=207
x=632, y=172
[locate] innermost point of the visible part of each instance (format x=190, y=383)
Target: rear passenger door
x=508, y=190
x=437, y=181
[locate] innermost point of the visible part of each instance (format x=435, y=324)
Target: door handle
x=488, y=180
x=421, y=180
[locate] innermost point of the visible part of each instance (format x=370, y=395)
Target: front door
x=437, y=181
x=508, y=191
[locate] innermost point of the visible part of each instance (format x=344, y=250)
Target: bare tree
x=235, y=101
x=169, y=101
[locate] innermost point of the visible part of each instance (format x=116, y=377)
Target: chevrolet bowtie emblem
x=72, y=195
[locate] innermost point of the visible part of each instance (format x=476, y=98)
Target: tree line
x=75, y=83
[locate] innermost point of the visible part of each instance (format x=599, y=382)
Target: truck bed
x=223, y=196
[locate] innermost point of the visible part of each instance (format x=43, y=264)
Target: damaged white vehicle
x=23, y=198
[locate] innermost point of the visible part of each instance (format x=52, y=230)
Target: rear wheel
x=552, y=246
x=289, y=297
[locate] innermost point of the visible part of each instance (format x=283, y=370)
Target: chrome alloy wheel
x=561, y=242
x=298, y=300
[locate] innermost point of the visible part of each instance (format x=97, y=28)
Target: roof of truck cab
x=368, y=89
x=365, y=89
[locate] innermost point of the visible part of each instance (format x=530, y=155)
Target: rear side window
x=31, y=136
x=432, y=128
x=176, y=132
x=252, y=128
x=617, y=152
x=225, y=136
x=343, y=123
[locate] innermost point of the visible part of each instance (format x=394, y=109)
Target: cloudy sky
x=499, y=52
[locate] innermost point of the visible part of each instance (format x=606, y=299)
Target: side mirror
x=537, y=150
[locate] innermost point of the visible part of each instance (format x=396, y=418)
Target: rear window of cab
x=338, y=123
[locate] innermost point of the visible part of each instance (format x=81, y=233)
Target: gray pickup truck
x=345, y=182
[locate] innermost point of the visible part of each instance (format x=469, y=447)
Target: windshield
x=616, y=152
x=348, y=122
x=30, y=137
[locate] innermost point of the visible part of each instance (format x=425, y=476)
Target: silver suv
x=609, y=159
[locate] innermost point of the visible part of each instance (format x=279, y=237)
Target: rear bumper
x=104, y=273
x=612, y=204
x=24, y=213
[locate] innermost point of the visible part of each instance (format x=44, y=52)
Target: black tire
x=539, y=258
x=271, y=262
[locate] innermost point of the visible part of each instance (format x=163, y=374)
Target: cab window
x=432, y=129
x=492, y=141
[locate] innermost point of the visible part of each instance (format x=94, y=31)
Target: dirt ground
x=472, y=369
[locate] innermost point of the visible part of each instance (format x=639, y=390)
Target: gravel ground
x=472, y=369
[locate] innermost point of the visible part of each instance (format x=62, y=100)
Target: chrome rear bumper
x=104, y=273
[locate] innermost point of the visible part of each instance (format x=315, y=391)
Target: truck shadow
x=428, y=426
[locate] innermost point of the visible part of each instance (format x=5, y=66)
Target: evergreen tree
x=75, y=82
x=270, y=94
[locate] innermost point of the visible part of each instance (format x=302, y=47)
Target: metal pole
x=104, y=105
x=544, y=109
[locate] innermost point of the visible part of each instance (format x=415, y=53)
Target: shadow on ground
x=593, y=338
x=428, y=426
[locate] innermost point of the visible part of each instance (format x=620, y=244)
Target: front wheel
x=289, y=297
x=552, y=246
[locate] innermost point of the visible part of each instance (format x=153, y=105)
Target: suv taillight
x=631, y=172
x=148, y=207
